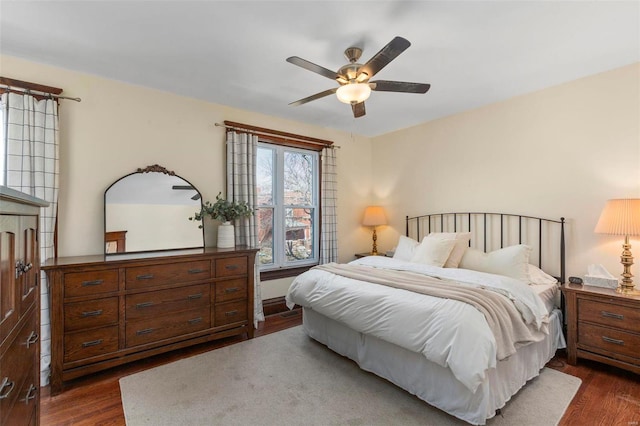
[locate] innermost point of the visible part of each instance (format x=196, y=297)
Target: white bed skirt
x=431, y=382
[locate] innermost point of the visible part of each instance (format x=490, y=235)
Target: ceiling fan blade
x=384, y=56
x=358, y=109
x=313, y=67
x=314, y=97
x=398, y=86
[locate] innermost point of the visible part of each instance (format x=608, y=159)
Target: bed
x=417, y=318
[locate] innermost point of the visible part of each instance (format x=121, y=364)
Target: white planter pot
x=226, y=235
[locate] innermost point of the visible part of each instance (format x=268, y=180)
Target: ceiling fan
x=353, y=78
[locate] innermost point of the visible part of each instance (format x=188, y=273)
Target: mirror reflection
x=149, y=210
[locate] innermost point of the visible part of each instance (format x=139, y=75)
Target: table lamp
x=374, y=216
x=622, y=217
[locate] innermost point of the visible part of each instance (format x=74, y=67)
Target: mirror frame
x=118, y=235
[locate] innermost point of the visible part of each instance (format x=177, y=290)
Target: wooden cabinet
x=107, y=311
x=19, y=308
x=603, y=325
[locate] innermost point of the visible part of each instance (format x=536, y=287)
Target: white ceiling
x=233, y=53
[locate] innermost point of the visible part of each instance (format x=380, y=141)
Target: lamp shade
x=353, y=93
x=374, y=216
x=620, y=217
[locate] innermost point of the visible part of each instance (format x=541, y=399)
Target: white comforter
x=450, y=333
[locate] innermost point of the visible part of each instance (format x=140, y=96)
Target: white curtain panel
x=242, y=151
x=329, y=231
x=32, y=168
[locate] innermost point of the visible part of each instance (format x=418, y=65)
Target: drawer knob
x=144, y=277
x=144, y=305
x=231, y=290
x=194, y=296
x=92, y=343
x=33, y=337
x=31, y=394
x=611, y=315
x=91, y=283
x=92, y=313
x=231, y=313
x=145, y=331
x=231, y=267
x=196, y=271
x=195, y=320
x=6, y=387
x=614, y=341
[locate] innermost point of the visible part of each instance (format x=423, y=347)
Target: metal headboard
x=505, y=227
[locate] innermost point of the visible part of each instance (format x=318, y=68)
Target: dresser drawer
x=164, y=302
x=607, y=340
x=617, y=316
x=163, y=327
x=230, y=290
x=90, y=283
x=86, y=344
x=90, y=314
x=27, y=399
x=171, y=273
x=231, y=266
x=17, y=363
x=230, y=312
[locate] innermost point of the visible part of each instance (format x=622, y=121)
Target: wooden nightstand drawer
x=157, y=303
x=608, y=341
x=90, y=314
x=231, y=266
x=616, y=316
x=90, y=283
x=171, y=273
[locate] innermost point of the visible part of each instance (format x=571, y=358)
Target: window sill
x=284, y=273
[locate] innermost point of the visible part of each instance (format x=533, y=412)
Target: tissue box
x=601, y=281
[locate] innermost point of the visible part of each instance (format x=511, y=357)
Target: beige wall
x=562, y=151
x=119, y=127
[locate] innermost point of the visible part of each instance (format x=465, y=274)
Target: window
x=288, y=206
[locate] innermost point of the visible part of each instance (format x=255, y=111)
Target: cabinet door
x=9, y=226
x=28, y=281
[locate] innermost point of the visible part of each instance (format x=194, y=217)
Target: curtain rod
x=38, y=92
x=253, y=132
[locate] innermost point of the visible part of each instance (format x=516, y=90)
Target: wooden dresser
x=19, y=308
x=110, y=310
x=603, y=325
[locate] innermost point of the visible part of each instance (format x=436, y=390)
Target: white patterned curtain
x=242, y=151
x=329, y=231
x=32, y=168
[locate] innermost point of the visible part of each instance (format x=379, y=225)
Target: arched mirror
x=149, y=210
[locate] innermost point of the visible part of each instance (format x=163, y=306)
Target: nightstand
x=603, y=326
x=359, y=255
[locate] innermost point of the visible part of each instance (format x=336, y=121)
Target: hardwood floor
x=608, y=396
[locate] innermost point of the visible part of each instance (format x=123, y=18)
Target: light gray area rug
x=286, y=378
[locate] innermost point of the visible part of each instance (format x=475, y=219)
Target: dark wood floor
x=608, y=396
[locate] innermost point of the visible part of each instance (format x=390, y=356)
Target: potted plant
x=225, y=211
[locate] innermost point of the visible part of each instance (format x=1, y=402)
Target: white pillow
x=539, y=277
x=510, y=261
x=405, y=249
x=462, y=244
x=433, y=251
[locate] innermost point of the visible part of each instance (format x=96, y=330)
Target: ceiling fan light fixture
x=353, y=93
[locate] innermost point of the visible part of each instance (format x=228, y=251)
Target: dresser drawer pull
x=231, y=290
x=92, y=313
x=231, y=267
x=33, y=337
x=143, y=305
x=611, y=315
x=92, y=343
x=194, y=296
x=196, y=271
x=145, y=331
x=31, y=394
x=231, y=313
x=614, y=341
x=91, y=283
x=6, y=387
x=144, y=277
x=195, y=320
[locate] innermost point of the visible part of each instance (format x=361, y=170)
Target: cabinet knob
x=6, y=387
x=33, y=337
